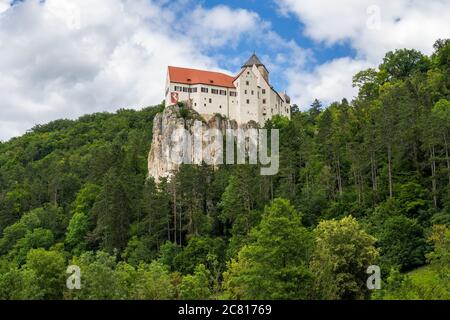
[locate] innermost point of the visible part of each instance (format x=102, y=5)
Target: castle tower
x=254, y=61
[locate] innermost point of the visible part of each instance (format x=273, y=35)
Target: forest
x=361, y=183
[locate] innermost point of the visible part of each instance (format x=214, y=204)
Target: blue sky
x=289, y=27
x=66, y=58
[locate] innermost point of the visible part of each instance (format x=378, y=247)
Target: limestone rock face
x=166, y=130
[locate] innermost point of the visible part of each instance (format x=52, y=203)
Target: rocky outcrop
x=166, y=131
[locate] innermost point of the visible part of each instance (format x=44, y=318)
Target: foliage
x=360, y=182
x=342, y=254
x=196, y=286
x=275, y=264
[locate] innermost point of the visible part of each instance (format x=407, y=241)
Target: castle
x=244, y=98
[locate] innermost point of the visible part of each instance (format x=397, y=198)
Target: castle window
x=210, y=100
x=245, y=91
x=178, y=88
x=263, y=91
x=247, y=83
x=205, y=104
x=214, y=91
x=220, y=107
x=264, y=101
x=204, y=90
x=248, y=101
x=185, y=89
x=232, y=93
x=193, y=90
x=253, y=92
x=223, y=92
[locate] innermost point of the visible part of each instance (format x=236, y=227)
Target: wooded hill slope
x=360, y=183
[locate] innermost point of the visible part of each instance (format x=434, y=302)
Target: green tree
x=275, y=264
x=402, y=243
x=198, y=251
x=138, y=250
x=196, y=286
x=49, y=269
x=403, y=63
x=439, y=258
x=113, y=211
x=98, y=281
x=18, y=284
x=153, y=283
x=76, y=232
x=342, y=254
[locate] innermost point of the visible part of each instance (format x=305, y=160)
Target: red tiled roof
x=193, y=76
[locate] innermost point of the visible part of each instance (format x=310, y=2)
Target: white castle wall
x=255, y=99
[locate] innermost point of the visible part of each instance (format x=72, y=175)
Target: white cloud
x=371, y=27
x=328, y=82
x=62, y=59
x=4, y=5
x=220, y=25
x=67, y=58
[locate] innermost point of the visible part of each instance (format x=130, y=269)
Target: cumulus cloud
x=220, y=25
x=67, y=58
x=328, y=82
x=371, y=27
x=62, y=59
x=4, y=5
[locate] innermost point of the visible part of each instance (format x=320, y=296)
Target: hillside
x=360, y=183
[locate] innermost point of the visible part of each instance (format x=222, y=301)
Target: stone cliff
x=166, y=126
